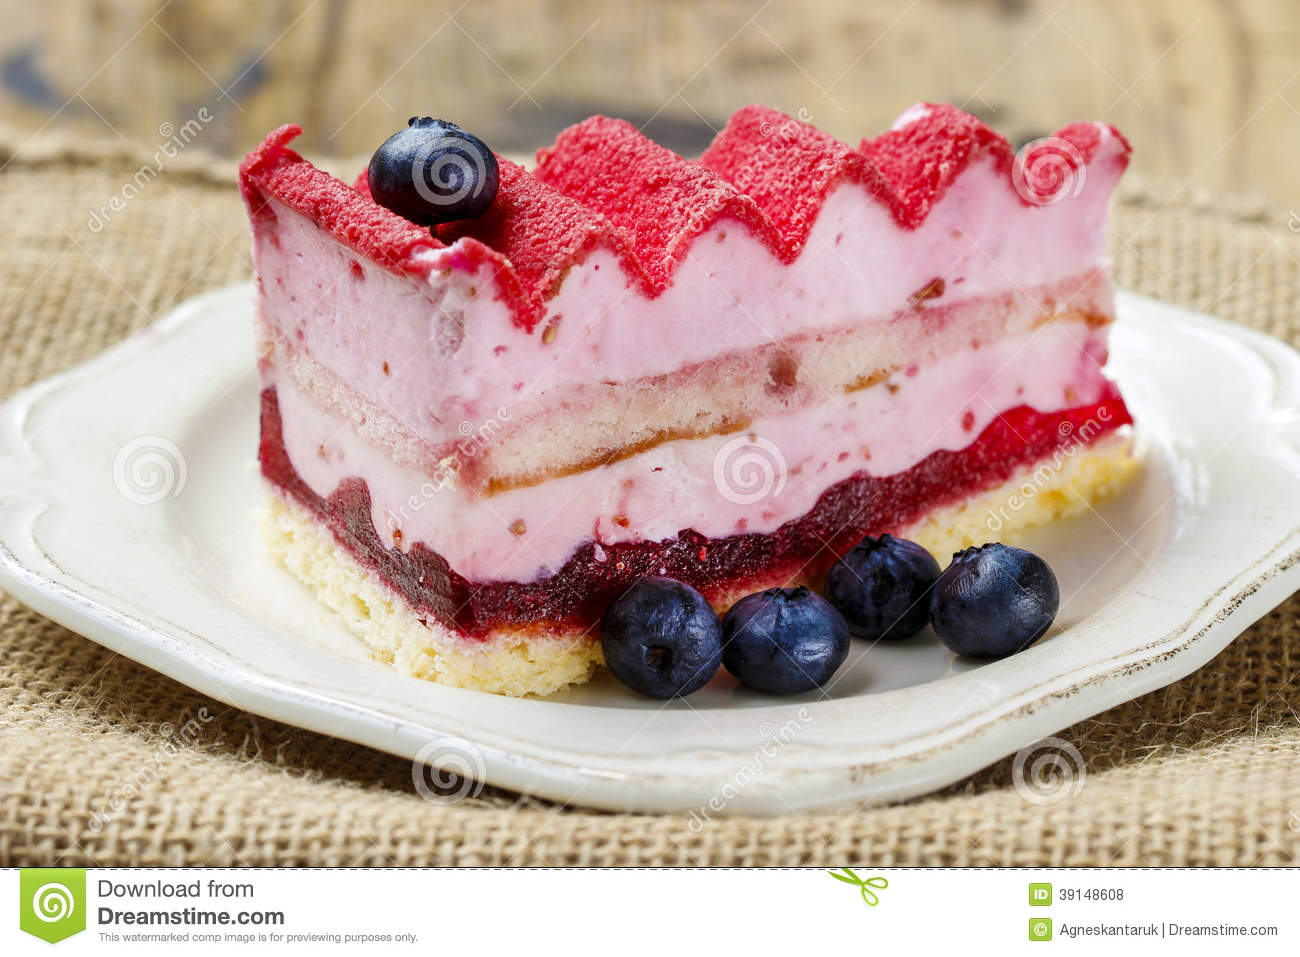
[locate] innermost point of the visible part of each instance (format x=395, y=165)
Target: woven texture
x=1206, y=771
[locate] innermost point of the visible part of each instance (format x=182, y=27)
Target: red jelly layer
x=807, y=546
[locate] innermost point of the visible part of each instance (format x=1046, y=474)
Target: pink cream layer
x=433, y=354
x=753, y=481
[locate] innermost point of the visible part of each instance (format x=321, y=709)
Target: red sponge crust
x=604, y=185
x=660, y=199
x=273, y=170
x=787, y=167
x=543, y=234
x=923, y=158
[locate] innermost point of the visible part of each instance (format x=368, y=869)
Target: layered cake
x=726, y=371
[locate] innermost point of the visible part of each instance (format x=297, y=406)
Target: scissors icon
x=864, y=885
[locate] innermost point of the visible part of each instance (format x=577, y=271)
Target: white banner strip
x=660, y=912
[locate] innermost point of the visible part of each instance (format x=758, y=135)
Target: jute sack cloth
x=104, y=762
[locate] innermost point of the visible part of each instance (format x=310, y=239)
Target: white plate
x=166, y=568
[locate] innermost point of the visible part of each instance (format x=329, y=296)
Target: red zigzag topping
x=605, y=186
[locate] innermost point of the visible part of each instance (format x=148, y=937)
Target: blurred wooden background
x=1207, y=89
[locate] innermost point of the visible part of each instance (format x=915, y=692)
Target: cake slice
x=726, y=372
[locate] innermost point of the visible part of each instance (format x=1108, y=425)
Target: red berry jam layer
x=594, y=575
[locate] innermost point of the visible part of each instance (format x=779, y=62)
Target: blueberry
x=994, y=600
x=882, y=587
x=434, y=172
x=784, y=640
x=661, y=638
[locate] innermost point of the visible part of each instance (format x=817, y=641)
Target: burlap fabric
x=1206, y=771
